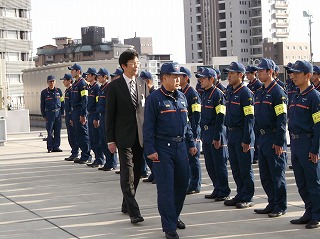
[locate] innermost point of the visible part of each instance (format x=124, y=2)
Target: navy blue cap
x=84, y=75
x=276, y=68
x=235, y=67
x=170, y=68
x=146, y=75
x=76, y=67
x=118, y=72
x=251, y=69
x=92, y=71
x=217, y=71
x=301, y=66
x=199, y=70
x=66, y=77
x=185, y=71
x=51, y=78
x=289, y=65
x=265, y=64
x=103, y=72
x=207, y=72
x=316, y=69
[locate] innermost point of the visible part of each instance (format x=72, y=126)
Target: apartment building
x=15, y=50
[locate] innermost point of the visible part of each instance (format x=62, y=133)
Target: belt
x=300, y=136
x=206, y=126
x=177, y=139
x=56, y=110
x=267, y=131
x=235, y=128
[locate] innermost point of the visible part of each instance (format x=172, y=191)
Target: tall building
x=143, y=45
x=15, y=49
x=234, y=28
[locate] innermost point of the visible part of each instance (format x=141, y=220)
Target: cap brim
x=200, y=76
x=70, y=68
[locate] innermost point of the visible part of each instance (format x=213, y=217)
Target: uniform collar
x=165, y=92
x=306, y=91
x=268, y=89
x=237, y=88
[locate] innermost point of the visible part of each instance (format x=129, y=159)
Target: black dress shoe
x=136, y=219
x=181, y=225
x=82, y=161
x=313, y=224
x=276, y=213
x=147, y=180
x=57, y=150
x=290, y=167
x=76, y=160
x=49, y=150
x=172, y=235
x=108, y=169
x=220, y=199
x=117, y=172
x=262, y=211
x=144, y=176
x=301, y=220
x=154, y=182
x=193, y=192
x=124, y=211
x=71, y=158
x=241, y=205
x=255, y=161
x=230, y=202
x=213, y=195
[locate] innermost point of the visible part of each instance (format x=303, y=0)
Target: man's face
x=66, y=83
x=250, y=75
x=206, y=82
x=51, y=84
x=264, y=75
x=234, y=78
x=75, y=73
x=183, y=80
x=102, y=79
x=315, y=77
x=301, y=79
x=132, y=67
x=91, y=78
x=171, y=82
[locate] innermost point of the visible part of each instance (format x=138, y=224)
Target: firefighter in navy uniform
x=213, y=135
x=198, y=86
x=194, y=115
x=315, y=79
x=254, y=84
x=79, y=101
x=290, y=87
x=240, y=122
x=52, y=109
x=165, y=131
x=67, y=82
x=93, y=117
x=304, y=128
x=110, y=158
x=275, y=76
x=270, y=110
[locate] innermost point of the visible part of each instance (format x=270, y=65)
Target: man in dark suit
x=124, y=120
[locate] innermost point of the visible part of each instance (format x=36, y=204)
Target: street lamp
x=309, y=16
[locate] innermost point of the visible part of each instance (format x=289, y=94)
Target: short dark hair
x=126, y=56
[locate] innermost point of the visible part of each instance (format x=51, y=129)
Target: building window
x=88, y=53
x=10, y=12
x=12, y=56
x=12, y=35
x=13, y=78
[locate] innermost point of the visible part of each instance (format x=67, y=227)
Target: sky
x=163, y=20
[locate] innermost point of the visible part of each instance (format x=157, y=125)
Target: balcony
x=281, y=24
x=279, y=5
x=256, y=4
x=281, y=34
x=280, y=15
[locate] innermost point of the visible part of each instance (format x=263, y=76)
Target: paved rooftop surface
x=44, y=196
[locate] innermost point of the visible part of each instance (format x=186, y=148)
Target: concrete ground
x=44, y=196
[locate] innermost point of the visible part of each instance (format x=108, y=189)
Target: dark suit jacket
x=122, y=119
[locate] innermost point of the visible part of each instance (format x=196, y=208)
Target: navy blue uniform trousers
x=71, y=136
x=272, y=173
x=195, y=169
x=306, y=174
x=53, y=127
x=241, y=166
x=82, y=134
x=171, y=173
x=94, y=136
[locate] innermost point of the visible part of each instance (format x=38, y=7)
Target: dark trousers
x=216, y=165
x=195, y=170
x=307, y=175
x=130, y=172
x=171, y=173
x=111, y=159
x=272, y=173
x=53, y=127
x=82, y=134
x=94, y=136
x=71, y=136
x=241, y=166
